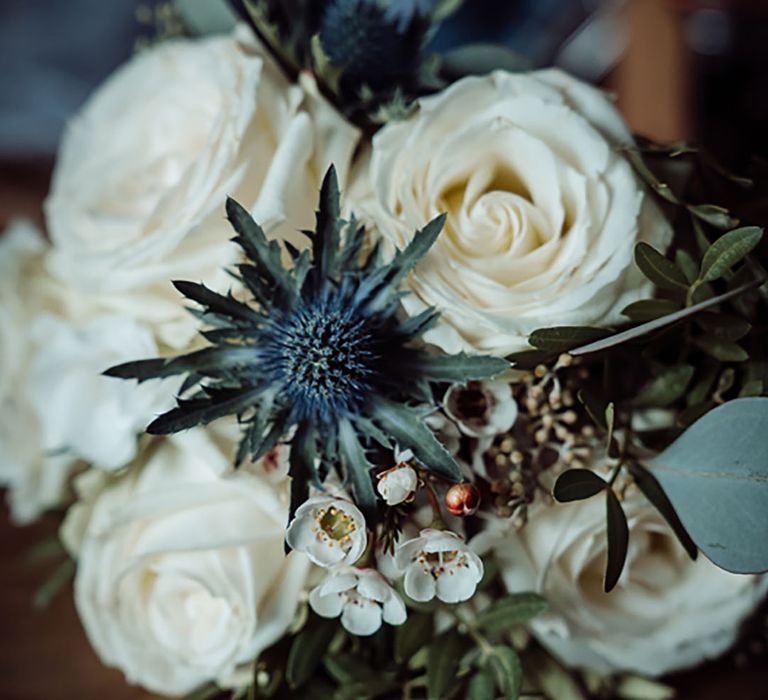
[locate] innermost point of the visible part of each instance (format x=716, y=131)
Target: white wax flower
x=362, y=597
x=330, y=530
x=667, y=612
x=398, y=484
x=543, y=210
x=439, y=563
x=182, y=578
x=138, y=193
x=482, y=408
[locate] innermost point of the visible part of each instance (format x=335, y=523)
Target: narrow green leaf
x=357, y=469
x=444, y=654
x=724, y=326
x=142, y=370
x=637, y=161
x=481, y=686
x=60, y=577
x=639, y=331
x=407, y=428
x=413, y=634
x=723, y=350
x=716, y=216
x=727, y=250
x=595, y=406
x=506, y=666
x=308, y=649
x=647, y=483
x=562, y=338
x=689, y=267
x=649, y=309
x=666, y=388
x=617, y=532
x=457, y=368
x=576, y=485
x=511, y=610
x=662, y=272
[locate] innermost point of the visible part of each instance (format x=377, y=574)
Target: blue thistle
x=318, y=357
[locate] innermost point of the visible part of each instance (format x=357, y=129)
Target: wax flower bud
x=462, y=499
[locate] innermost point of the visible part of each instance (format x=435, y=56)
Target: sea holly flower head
x=330, y=530
x=319, y=356
x=439, y=564
x=362, y=597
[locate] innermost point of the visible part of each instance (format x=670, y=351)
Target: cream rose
x=181, y=571
x=138, y=192
x=543, y=212
x=667, y=612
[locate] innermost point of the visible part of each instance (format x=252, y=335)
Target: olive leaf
x=662, y=272
x=577, y=485
x=618, y=540
x=727, y=250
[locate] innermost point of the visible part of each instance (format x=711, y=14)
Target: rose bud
x=462, y=499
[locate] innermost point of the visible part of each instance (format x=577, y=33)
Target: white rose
x=181, y=571
x=667, y=612
x=139, y=188
x=543, y=213
x=80, y=411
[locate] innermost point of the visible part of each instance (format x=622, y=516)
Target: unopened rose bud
x=462, y=499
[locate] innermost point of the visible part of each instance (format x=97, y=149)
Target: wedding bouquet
x=447, y=386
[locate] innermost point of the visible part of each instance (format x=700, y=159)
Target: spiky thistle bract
x=318, y=357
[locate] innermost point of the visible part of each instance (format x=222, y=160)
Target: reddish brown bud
x=462, y=499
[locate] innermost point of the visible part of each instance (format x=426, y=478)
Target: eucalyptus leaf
x=513, y=609
x=662, y=272
x=727, y=250
x=617, y=532
x=716, y=477
x=577, y=485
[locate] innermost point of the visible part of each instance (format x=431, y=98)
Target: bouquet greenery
x=462, y=424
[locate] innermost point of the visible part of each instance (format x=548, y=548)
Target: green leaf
x=649, y=309
x=637, y=161
x=716, y=477
x=723, y=350
x=595, y=407
x=562, y=338
x=325, y=244
x=666, y=388
x=60, y=577
x=408, y=429
x=457, y=368
x=647, y=483
x=528, y=359
x=618, y=540
x=142, y=370
x=719, y=217
x=639, y=331
x=689, y=267
x=357, y=469
x=405, y=260
x=506, y=666
x=727, y=250
x=215, y=302
x=308, y=649
x=662, y=272
x=412, y=635
x=511, y=610
x=481, y=686
x=724, y=326
x=576, y=485
x=444, y=654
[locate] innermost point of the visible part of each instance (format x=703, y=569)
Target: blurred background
x=681, y=70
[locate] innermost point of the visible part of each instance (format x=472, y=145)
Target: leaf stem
x=437, y=517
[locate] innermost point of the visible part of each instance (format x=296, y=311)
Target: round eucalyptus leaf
x=716, y=477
